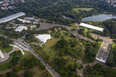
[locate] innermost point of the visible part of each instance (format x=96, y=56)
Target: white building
x=43, y=37
x=91, y=27
x=24, y=21
x=11, y=17
x=20, y=28
x=1, y=54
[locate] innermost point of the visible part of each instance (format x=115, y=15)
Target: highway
x=24, y=45
x=52, y=71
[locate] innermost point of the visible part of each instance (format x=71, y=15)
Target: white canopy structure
x=20, y=28
x=91, y=27
x=43, y=37
x=1, y=54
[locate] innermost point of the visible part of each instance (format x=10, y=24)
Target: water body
x=100, y=18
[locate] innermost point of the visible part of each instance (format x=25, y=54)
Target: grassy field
x=9, y=63
x=48, y=48
x=7, y=49
x=50, y=53
x=82, y=9
x=37, y=71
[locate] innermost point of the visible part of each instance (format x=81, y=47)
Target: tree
x=28, y=74
x=17, y=69
x=10, y=74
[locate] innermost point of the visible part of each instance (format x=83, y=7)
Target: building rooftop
x=20, y=28
x=91, y=27
x=103, y=52
x=11, y=17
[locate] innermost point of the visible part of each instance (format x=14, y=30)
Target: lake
x=100, y=18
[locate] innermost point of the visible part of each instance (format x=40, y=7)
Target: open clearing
x=82, y=9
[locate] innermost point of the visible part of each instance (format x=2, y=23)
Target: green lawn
x=7, y=49
x=48, y=49
x=9, y=63
x=82, y=9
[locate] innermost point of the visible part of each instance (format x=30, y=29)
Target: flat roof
x=91, y=27
x=103, y=52
x=5, y=19
x=20, y=28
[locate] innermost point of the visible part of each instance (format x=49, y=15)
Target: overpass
x=24, y=45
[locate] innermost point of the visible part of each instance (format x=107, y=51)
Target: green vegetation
x=111, y=27
x=17, y=69
x=61, y=51
x=9, y=74
x=91, y=49
x=26, y=62
x=4, y=44
x=81, y=9
x=99, y=71
x=70, y=48
x=86, y=32
x=111, y=61
x=53, y=10
x=74, y=26
x=16, y=56
x=28, y=74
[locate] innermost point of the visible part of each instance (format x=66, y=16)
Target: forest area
x=53, y=10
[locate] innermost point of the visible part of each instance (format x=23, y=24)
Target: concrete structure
x=24, y=21
x=6, y=58
x=1, y=54
x=20, y=28
x=18, y=48
x=43, y=37
x=11, y=17
x=91, y=27
x=103, y=52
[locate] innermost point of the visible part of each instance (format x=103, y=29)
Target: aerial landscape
x=57, y=38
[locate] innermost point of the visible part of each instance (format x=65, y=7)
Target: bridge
x=22, y=45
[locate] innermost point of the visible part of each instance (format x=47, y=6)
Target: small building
x=43, y=37
x=20, y=28
x=91, y=27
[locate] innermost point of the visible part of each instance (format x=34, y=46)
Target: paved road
x=12, y=50
x=24, y=44
x=48, y=26
x=52, y=71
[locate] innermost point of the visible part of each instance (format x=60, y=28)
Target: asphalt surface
x=52, y=71
x=49, y=25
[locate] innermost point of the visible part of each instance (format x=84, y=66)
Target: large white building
x=43, y=37
x=11, y=17
x=20, y=28
x=91, y=27
x=1, y=54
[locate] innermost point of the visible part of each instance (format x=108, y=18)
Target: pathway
x=48, y=26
